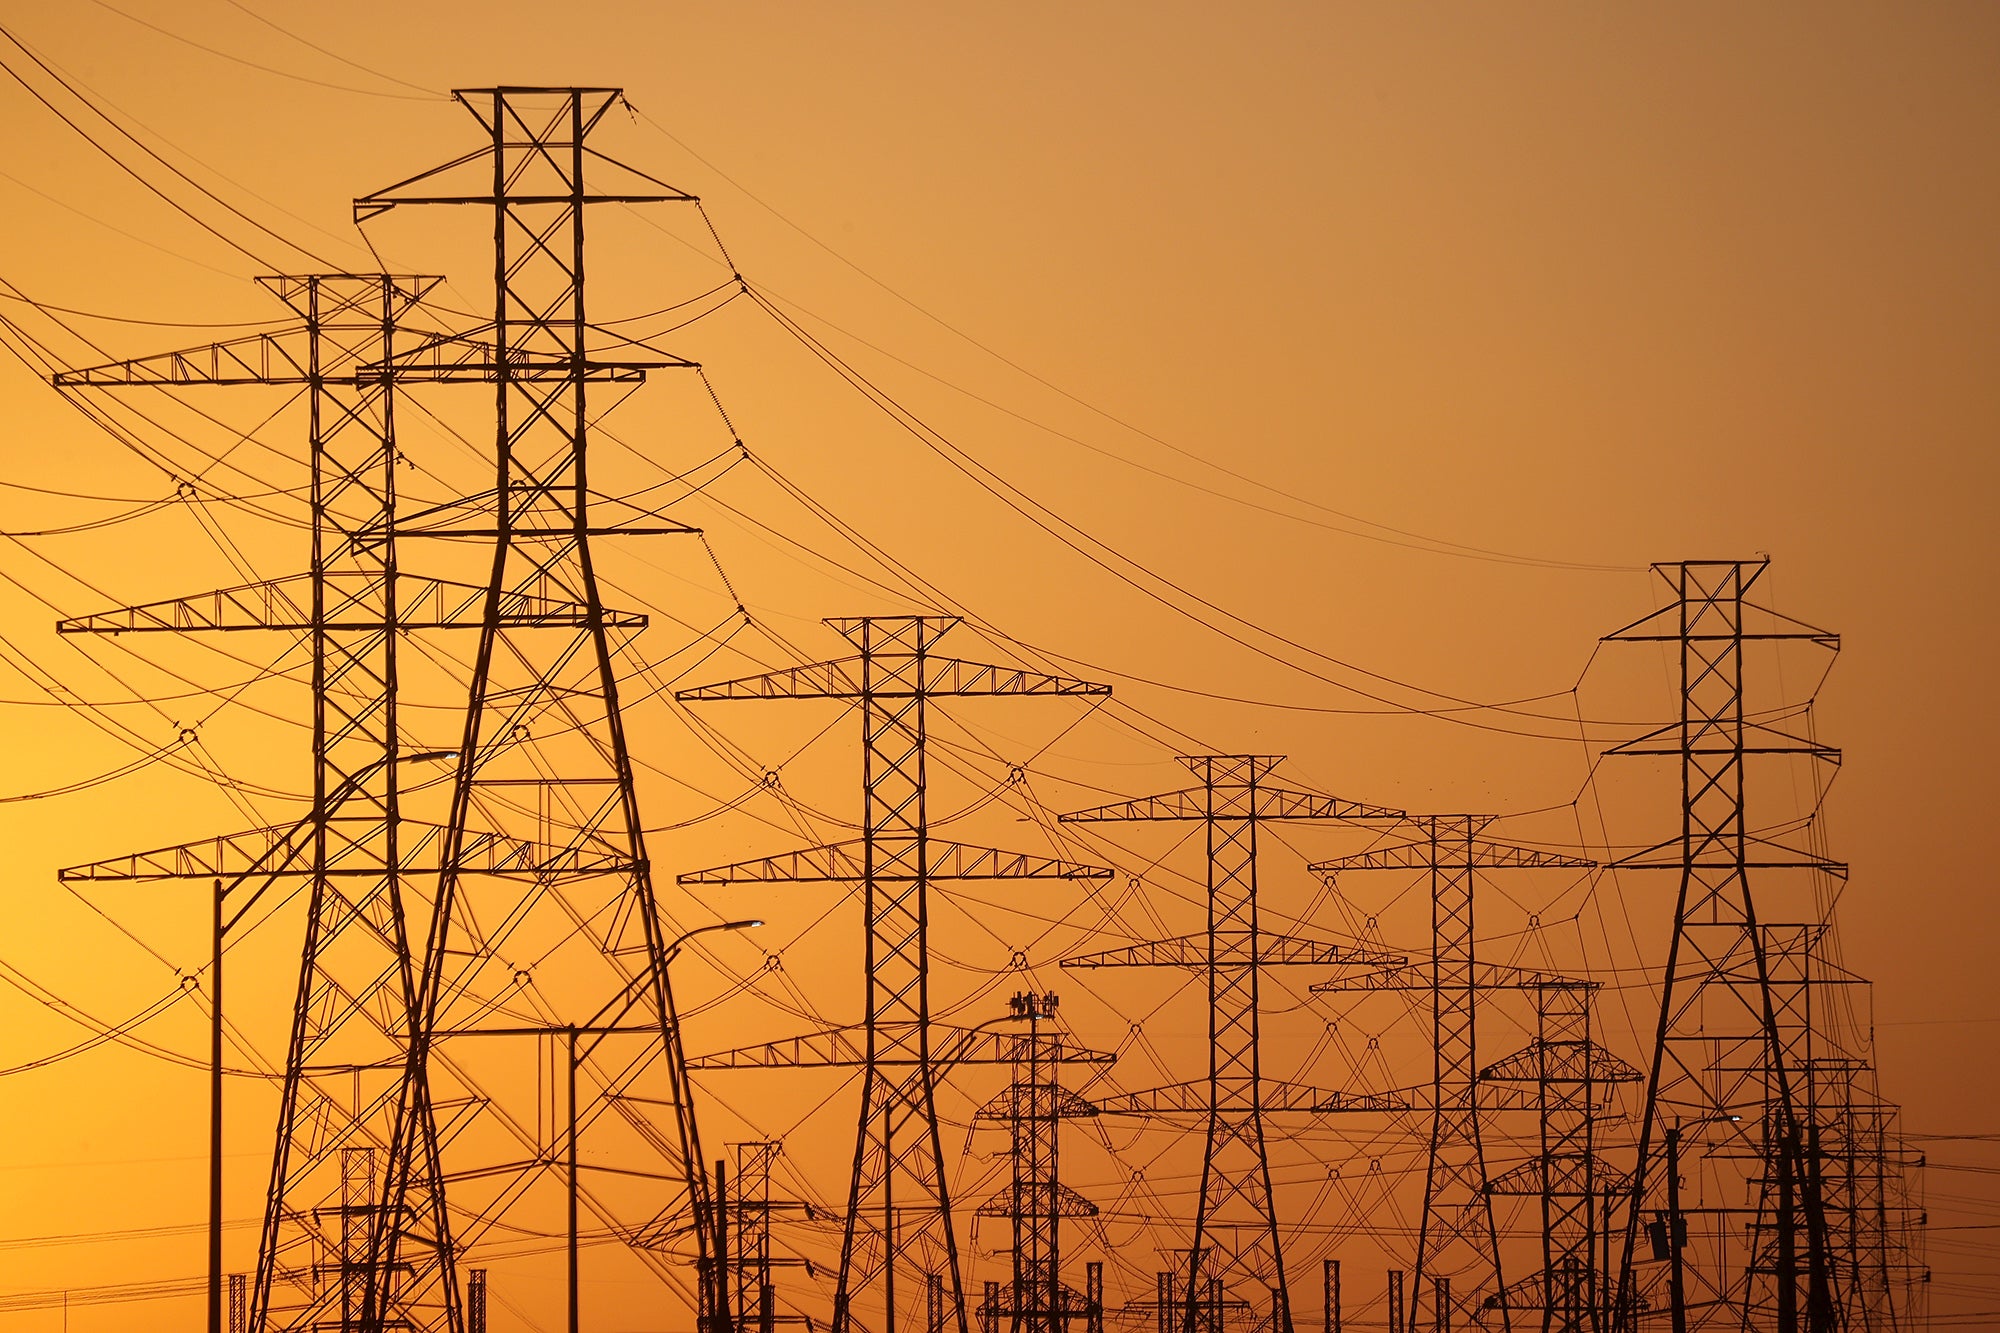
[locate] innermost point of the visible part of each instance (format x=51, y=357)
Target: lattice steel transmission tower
x=1570, y=1076
x=1033, y=1106
x=1456, y=1239
x=1235, y=1222
x=354, y=1015
x=1725, y=1062
x=898, y=1252
x=746, y=1243
x=1847, y=1133
x=544, y=739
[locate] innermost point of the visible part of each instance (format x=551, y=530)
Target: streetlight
x=1676, y=1229
x=570, y=1032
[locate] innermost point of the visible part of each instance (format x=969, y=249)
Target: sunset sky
x=1324, y=377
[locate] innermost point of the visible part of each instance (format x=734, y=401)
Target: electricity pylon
x=1033, y=1106
x=898, y=1239
x=746, y=1245
x=1571, y=1076
x=355, y=1009
x=544, y=738
x=1843, y=1125
x=1723, y=1061
x=1456, y=1239
x=1235, y=1200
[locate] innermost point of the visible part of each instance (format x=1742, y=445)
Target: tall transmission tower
x=1725, y=1065
x=1236, y=1221
x=897, y=1246
x=1456, y=1239
x=1570, y=1075
x=355, y=1009
x=543, y=734
x=1033, y=1106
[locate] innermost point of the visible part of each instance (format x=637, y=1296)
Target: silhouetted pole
x=215, y=1118
x=1676, y=1279
x=1331, y=1272
x=723, y=1259
x=574, y=1321
x=1788, y=1231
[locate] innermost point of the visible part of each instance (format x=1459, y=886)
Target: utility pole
x=1231, y=800
x=898, y=1182
x=215, y=1115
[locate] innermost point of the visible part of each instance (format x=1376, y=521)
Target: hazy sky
x=1410, y=334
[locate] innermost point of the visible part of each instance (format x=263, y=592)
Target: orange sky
x=1587, y=286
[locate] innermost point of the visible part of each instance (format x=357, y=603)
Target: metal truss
x=1571, y=1075
x=1846, y=1138
x=1235, y=1201
x=1727, y=1066
x=1458, y=1248
x=356, y=997
x=1033, y=1107
x=744, y=1238
x=898, y=1252
x=543, y=727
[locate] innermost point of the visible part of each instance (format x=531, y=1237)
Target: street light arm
x=674, y=949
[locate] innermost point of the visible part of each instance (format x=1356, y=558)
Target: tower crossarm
x=459, y=359
x=1756, y=738
x=846, y=1048
x=1010, y=1203
x=283, y=357
x=1192, y=951
x=1485, y=976
x=272, y=850
x=470, y=178
x=277, y=849
x=1561, y=1062
x=1561, y=1175
x=1267, y=803
x=1745, y=622
x=846, y=862
x=1483, y=854
x=1019, y=1100
x=1195, y=1099
x=1755, y=853
x=353, y=602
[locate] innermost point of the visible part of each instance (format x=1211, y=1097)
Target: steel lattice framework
x=356, y=995
x=1571, y=1075
x=1723, y=1058
x=898, y=1251
x=1235, y=1199
x=543, y=728
x=1033, y=1106
x=1846, y=1138
x=1456, y=1239
x=746, y=1243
